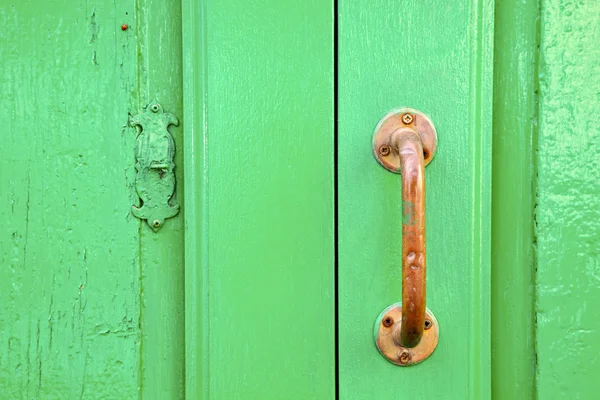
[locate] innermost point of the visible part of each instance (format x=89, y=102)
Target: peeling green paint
x=92, y=300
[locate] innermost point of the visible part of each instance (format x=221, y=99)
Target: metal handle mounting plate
x=387, y=330
x=397, y=119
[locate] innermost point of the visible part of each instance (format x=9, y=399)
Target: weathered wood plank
x=81, y=309
x=70, y=267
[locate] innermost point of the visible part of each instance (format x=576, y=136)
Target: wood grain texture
x=515, y=124
x=259, y=241
x=90, y=297
x=568, y=202
x=435, y=56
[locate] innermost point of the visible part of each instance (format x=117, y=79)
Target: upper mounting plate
x=402, y=118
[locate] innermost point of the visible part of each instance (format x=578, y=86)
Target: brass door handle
x=404, y=142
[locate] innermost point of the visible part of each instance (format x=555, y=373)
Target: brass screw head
x=387, y=321
x=407, y=118
x=154, y=107
x=404, y=357
x=156, y=223
x=428, y=324
x=384, y=150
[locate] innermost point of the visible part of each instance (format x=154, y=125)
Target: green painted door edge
x=159, y=77
x=193, y=17
x=515, y=124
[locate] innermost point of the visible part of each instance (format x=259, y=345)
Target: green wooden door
x=268, y=282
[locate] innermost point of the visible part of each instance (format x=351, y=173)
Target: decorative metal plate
x=155, y=177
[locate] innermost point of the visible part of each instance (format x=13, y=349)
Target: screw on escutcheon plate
x=407, y=118
x=404, y=357
x=384, y=150
x=387, y=321
x=428, y=324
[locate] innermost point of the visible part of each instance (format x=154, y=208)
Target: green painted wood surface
x=91, y=299
x=258, y=111
x=568, y=202
x=515, y=113
x=435, y=56
x=159, y=72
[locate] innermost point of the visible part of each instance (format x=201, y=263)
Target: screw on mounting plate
x=384, y=150
x=407, y=118
x=387, y=321
x=428, y=324
x=404, y=357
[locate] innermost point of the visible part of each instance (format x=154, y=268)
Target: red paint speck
x=124, y=27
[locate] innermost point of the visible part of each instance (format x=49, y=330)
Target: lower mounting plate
x=387, y=332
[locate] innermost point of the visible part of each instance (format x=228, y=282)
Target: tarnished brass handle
x=404, y=142
x=414, y=254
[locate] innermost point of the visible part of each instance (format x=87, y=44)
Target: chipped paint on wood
x=78, y=287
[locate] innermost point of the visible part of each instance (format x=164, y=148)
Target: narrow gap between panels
x=335, y=198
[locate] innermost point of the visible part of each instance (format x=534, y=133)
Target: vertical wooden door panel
x=435, y=56
x=158, y=34
x=568, y=202
x=90, y=296
x=515, y=109
x=259, y=188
